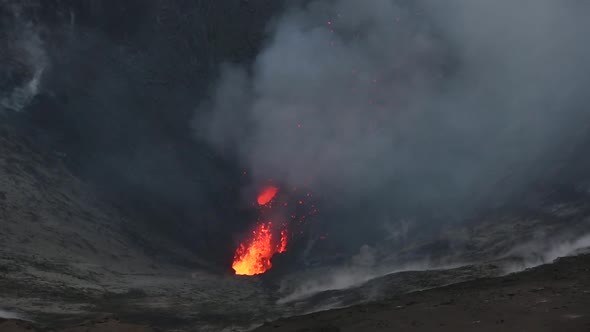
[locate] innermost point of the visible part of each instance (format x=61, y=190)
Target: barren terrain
x=68, y=259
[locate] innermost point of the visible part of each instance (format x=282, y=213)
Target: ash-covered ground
x=69, y=258
x=424, y=154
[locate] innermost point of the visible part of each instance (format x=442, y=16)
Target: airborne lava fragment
x=267, y=195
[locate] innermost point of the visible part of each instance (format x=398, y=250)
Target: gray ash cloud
x=393, y=109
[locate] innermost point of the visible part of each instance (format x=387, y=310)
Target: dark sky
x=119, y=83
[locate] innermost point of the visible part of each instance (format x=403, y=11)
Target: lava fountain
x=253, y=255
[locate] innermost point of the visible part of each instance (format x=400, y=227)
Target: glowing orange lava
x=253, y=257
x=284, y=239
x=267, y=195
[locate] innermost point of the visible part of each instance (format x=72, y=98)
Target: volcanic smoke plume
x=395, y=107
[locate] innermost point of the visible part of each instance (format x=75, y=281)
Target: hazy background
x=117, y=90
x=408, y=110
x=400, y=116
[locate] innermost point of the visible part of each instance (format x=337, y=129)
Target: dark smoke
x=22, y=56
x=408, y=109
x=116, y=95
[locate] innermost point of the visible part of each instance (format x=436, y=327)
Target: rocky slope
x=68, y=258
x=547, y=298
x=66, y=254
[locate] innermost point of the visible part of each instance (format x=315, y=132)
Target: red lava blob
x=267, y=195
